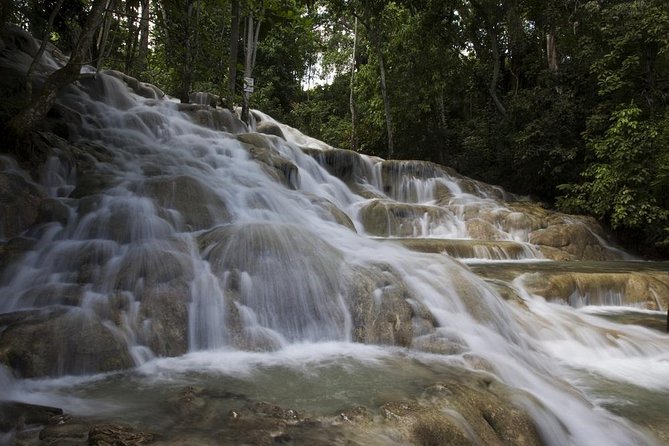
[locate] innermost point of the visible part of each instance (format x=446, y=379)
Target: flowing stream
x=254, y=267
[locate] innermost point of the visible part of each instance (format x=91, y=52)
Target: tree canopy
x=564, y=100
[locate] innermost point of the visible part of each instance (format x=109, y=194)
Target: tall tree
x=42, y=102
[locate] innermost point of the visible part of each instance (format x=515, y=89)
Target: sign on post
x=248, y=84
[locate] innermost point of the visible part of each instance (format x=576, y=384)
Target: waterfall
x=175, y=243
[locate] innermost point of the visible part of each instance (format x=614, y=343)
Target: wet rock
x=220, y=119
x=385, y=218
x=14, y=249
x=467, y=249
x=577, y=240
x=346, y=165
x=465, y=411
x=52, y=294
x=143, y=89
x=20, y=201
x=69, y=433
x=165, y=308
x=329, y=211
x=54, y=342
x=646, y=289
x=198, y=206
x=281, y=169
x=480, y=229
x=355, y=415
x=381, y=307
x=116, y=434
x=204, y=98
x=17, y=416
x=154, y=263
x=52, y=210
x=435, y=343
x=278, y=264
x=270, y=128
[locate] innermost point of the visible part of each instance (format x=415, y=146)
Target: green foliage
x=617, y=186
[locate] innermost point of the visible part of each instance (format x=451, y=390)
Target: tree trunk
x=6, y=7
x=40, y=52
x=551, y=51
x=386, y=105
x=131, y=38
x=354, y=136
x=186, y=68
x=251, y=49
x=143, y=49
x=494, y=46
x=232, y=60
x=103, y=34
x=40, y=105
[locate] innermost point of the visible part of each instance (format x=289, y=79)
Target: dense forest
x=567, y=101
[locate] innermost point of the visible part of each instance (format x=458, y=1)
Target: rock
x=111, y=434
x=381, y=307
x=261, y=150
x=14, y=249
x=465, y=411
x=153, y=262
x=143, y=89
x=270, y=128
x=52, y=210
x=55, y=342
x=20, y=201
x=482, y=230
x=346, y=165
x=199, y=206
x=165, y=308
x=387, y=218
x=277, y=264
x=643, y=289
x=16, y=416
x=329, y=211
x=220, y=119
x=68, y=433
x=204, y=98
x=576, y=239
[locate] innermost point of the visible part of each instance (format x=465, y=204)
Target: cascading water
x=191, y=252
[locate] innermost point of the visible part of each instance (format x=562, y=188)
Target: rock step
x=637, y=284
x=470, y=249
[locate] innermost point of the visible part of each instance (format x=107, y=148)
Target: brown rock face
x=56, y=342
x=383, y=309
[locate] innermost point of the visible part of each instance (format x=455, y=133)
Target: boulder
x=278, y=167
x=387, y=218
x=346, y=165
x=55, y=342
x=576, y=239
x=20, y=201
x=165, y=310
x=464, y=411
x=327, y=210
x=270, y=128
x=14, y=249
x=199, y=206
x=383, y=309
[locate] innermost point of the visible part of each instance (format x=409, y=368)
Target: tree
x=42, y=102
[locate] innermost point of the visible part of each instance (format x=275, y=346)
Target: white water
x=265, y=267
